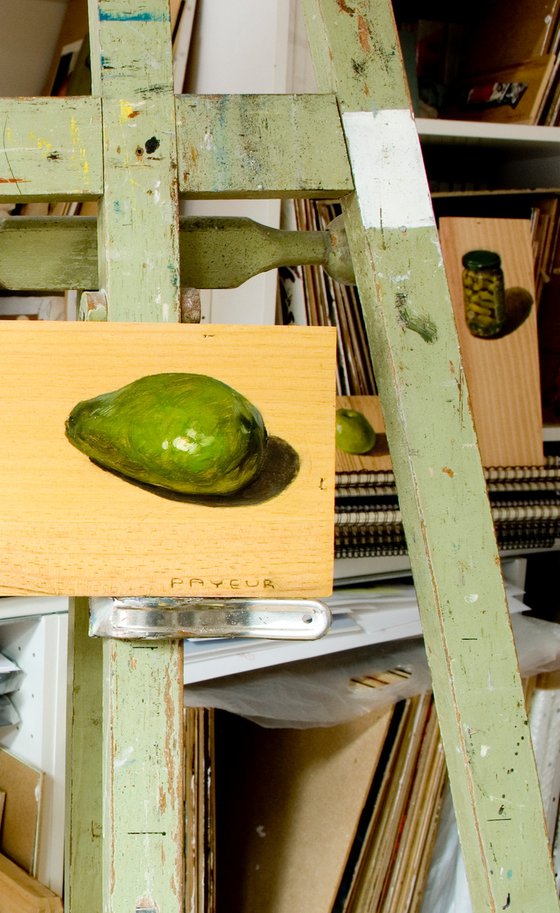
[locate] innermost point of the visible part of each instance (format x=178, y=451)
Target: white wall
x=28, y=37
x=240, y=46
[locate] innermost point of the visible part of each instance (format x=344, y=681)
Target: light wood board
x=69, y=527
x=22, y=785
x=20, y=893
x=502, y=374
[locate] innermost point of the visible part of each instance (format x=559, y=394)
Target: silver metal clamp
x=152, y=618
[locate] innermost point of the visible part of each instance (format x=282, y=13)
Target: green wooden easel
x=130, y=146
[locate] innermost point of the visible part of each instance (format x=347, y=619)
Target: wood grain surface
x=502, y=374
x=69, y=527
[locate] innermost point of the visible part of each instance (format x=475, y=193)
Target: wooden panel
x=502, y=374
x=525, y=28
x=23, y=787
x=274, y=145
x=68, y=527
x=72, y=32
x=50, y=148
x=20, y=893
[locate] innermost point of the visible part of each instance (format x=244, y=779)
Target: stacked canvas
x=308, y=835
x=525, y=504
x=503, y=377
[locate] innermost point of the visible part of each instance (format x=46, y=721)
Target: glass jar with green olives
x=484, y=293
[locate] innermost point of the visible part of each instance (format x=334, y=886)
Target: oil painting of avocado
x=361, y=442
x=169, y=459
x=185, y=433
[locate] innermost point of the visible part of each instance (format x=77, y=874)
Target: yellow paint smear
x=127, y=111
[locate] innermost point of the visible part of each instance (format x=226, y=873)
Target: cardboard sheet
x=22, y=785
x=295, y=797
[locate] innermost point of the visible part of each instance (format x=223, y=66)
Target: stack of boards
x=20, y=809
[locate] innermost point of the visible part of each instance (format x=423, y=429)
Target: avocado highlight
x=187, y=433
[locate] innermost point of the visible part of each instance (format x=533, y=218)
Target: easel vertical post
x=449, y=530
x=143, y=858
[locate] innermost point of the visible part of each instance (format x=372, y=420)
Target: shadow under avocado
x=281, y=466
x=380, y=448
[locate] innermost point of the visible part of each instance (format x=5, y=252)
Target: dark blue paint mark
x=108, y=16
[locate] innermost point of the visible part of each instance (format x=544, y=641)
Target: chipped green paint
x=84, y=764
x=138, y=216
x=229, y=146
x=369, y=71
x=138, y=243
x=49, y=254
x=445, y=509
x=39, y=160
x=50, y=148
x=418, y=323
x=215, y=252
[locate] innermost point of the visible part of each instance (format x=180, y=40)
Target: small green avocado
x=354, y=433
x=188, y=433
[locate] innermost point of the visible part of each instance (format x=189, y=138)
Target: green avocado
x=354, y=434
x=188, y=433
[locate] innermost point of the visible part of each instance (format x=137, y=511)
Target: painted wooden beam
x=215, y=252
x=265, y=146
x=48, y=254
x=50, y=148
x=275, y=145
x=84, y=764
x=445, y=509
x=143, y=820
x=138, y=213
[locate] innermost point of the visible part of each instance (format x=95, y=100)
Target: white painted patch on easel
x=388, y=169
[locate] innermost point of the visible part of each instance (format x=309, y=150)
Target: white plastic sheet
x=321, y=692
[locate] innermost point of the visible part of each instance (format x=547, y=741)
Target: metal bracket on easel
x=152, y=618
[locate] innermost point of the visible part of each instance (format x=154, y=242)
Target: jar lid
x=481, y=259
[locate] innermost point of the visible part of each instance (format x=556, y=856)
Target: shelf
x=17, y=607
x=545, y=140
x=34, y=635
x=489, y=155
